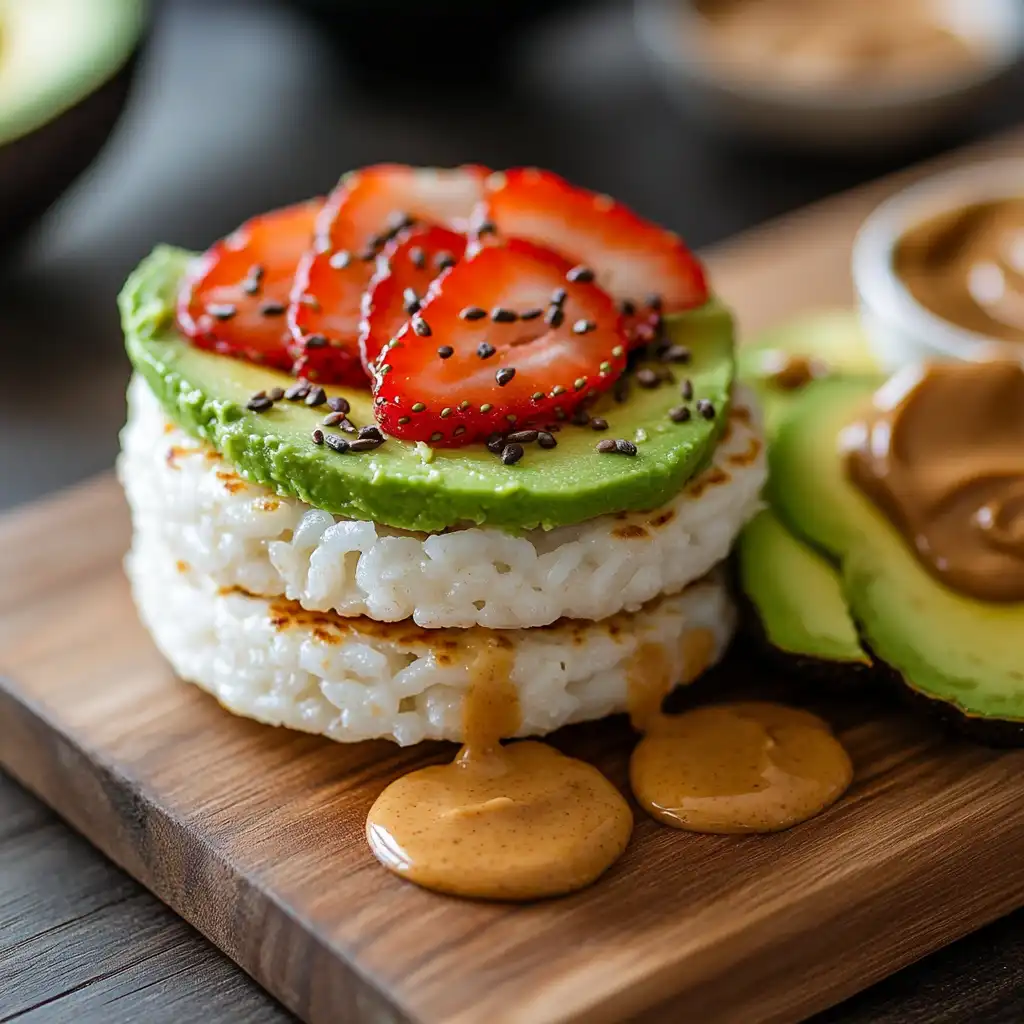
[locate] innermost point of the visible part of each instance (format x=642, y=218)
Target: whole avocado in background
x=65, y=70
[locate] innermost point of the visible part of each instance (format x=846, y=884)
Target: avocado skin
x=408, y=486
x=37, y=168
x=943, y=649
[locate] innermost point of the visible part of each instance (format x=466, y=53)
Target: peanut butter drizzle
x=516, y=822
x=941, y=452
x=732, y=768
x=967, y=266
x=735, y=768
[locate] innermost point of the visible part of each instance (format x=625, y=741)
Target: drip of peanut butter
x=733, y=768
x=515, y=822
x=967, y=266
x=941, y=452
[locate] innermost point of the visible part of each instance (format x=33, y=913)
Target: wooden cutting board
x=255, y=835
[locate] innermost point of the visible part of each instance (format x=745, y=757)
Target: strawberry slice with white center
x=409, y=264
x=365, y=212
x=505, y=340
x=647, y=269
x=235, y=301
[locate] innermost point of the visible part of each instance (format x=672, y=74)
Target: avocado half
x=65, y=71
x=961, y=655
x=413, y=486
x=794, y=604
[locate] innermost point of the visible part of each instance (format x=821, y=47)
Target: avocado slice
x=832, y=339
x=962, y=653
x=797, y=594
x=65, y=69
x=413, y=486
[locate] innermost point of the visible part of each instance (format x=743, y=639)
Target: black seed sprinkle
x=272, y=309
x=523, y=437
x=485, y=350
x=371, y=431
x=584, y=275
x=687, y=389
x=598, y=423
x=554, y=317
x=558, y=297
x=261, y=404
x=580, y=416
x=583, y=327
x=486, y=227
x=653, y=301
x=410, y=301
x=620, y=390
x=221, y=310
x=418, y=257
x=316, y=396
x=339, y=444
x=512, y=453
x=706, y=409
x=627, y=308
x=318, y=436
x=398, y=220
x=332, y=419
x=624, y=447
x=546, y=439
x=338, y=404
x=607, y=445
x=348, y=426
x=531, y=314
x=500, y=315
x=647, y=378
x=258, y=394
x=369, y=253
x=446, y=351
x=297, y=392
x=421, y=327
x=679, y=414
x=495, y=443
x=275, y=394
x=665, y=375
x=472, y=313
x=676, y=354
x=365, y=444
x=341, y=259
x=504, y=375
x=316, y=341
x=444, y=260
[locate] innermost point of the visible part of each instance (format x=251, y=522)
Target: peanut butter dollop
x=941, y=452
x=515, y=822
x=967, y=266
x=729, y=768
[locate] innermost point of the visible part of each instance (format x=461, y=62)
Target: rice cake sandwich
x=436, y=413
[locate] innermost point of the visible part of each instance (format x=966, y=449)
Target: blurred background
x=708, y=116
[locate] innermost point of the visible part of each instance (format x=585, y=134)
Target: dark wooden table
x=238, y=107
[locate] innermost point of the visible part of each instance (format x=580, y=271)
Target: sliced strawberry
x=235, y=301
x=505, y=339
x=408, y=266
x=641, y=264
x=365, y=212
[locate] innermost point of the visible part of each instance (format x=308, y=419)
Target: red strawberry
x=235, y=301
x=632, y=258
x=366, y=210
x=398, y=288
x=504, y=340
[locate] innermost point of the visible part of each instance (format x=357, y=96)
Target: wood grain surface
x=255, y=835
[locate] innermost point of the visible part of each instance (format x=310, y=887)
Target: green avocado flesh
x=947, y=647
x=795, y=591
x=833, y=337
x=54, y=53
x=412, y=486
x=797, y=594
